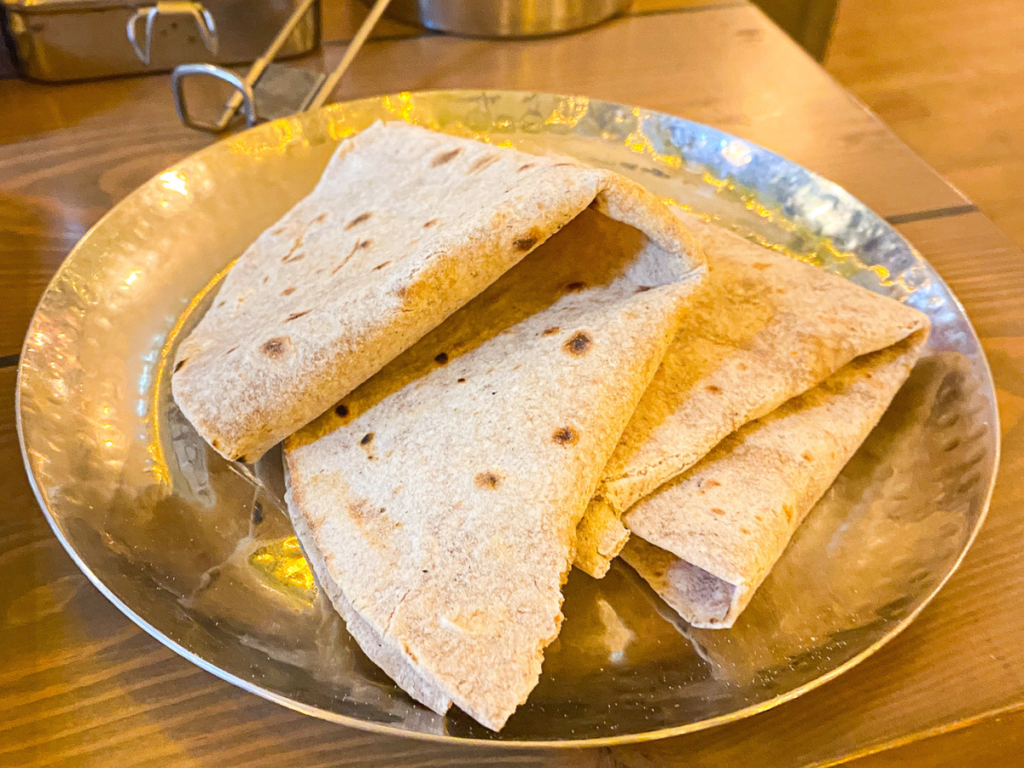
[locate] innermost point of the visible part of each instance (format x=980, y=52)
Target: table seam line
x=929, y=214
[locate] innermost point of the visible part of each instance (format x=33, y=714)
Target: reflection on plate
x=200, y=553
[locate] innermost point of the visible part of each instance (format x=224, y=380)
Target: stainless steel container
x=61, y=40
x=505, y=18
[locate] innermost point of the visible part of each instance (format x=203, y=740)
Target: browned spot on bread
x=744, y=531
x=341, y=410
x=288, y=291
x=642, y=288
x=565, y=436
x=578, y=344
x=718, y=511
x=291, y=255
x=358, y=220
x=230, y=350
x=441, y=358
x=381, y=266
x=573, y=287
x=525, y=243
x=526, y=167
x=806, y=456
x=761, y=265
x=367, y=439
x=759, y=518
x=430, y=223
x=179, y=364
x=319, y=219
x=278, y=231
x=274, y=348
x=551, y=331
x=487, y=480
x=713, y=388
x=787, y=510
x=265, y=278
x=297, y=315
x=462, y=381
x=563, y=165
x=742, y=366
x=221, y=304
x=482, y=162
x=445, y=157
x=710, y=484
x=358, y=246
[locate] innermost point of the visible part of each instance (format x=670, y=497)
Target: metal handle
x=317, y=100
x=258, y=66
x=243, y=95
x=202, y=17
x=243, y=91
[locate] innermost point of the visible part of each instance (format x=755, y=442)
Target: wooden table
x=82, y=686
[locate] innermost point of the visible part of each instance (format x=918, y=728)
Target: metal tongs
x=287, y=89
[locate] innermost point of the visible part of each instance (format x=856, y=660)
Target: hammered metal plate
x=199, y=552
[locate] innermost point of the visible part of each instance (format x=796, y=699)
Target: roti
x=706, y=540
x=438, y=503
x=765, y=328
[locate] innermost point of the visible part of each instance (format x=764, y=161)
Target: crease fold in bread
x=706, y=540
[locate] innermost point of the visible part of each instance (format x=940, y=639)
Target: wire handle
x=243, y=95
x=202, y=17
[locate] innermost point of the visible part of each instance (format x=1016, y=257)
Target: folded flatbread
x=438, y=502
x=765, y=328
x=404, y=227
x=720, y=526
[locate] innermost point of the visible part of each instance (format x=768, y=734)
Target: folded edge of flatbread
x=706, y=540
x=765, y=328
x=403, y=228
x=439, y=502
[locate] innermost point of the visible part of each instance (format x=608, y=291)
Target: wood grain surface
x=82, y=686
x=945, y=75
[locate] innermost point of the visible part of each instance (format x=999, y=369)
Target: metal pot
x=505, y=18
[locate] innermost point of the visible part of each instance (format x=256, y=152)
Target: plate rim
x=444, y=738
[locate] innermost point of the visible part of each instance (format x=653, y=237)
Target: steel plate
x=199, y=553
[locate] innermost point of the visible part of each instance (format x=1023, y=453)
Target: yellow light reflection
x=174, y=181
x=400, y=105
x=569, y=111
x=339, y=131
x=273, y=138
x=638, y=142
x=283, y=566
